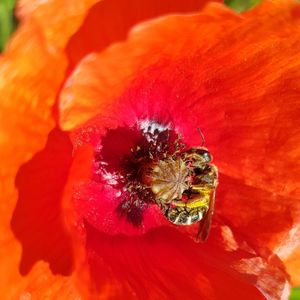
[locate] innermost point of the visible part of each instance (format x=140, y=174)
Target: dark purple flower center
x=123, y=161
x=150, y=165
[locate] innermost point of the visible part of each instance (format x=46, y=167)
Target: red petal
x=164, y=263
x=263, y=218
x=116, y=255
x=235, y=81
x=115, y=18
x=31, y=72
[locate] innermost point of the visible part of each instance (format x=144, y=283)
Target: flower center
x=150, y=165
x=169, y=178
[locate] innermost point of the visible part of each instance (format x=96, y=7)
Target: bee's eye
x=206, y=155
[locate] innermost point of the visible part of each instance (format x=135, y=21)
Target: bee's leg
x=177, y=144
x=193, y=156
x=203, y=229
x=197, y=239
x=199, y=200
x=208, y=178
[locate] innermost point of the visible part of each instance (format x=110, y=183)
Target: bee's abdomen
x=183, y=216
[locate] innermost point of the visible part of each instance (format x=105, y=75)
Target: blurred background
x=8, y=23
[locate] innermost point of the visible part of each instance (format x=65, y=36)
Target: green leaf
x=241, y=5
x=7, y=21
x=295, y=295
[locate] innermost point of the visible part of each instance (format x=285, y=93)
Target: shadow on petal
x=110, y=21
x=164, y=263
x=37, y=220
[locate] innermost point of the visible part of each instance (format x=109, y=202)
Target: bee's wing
x=205, y=223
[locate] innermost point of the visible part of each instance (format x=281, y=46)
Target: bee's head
x=201, y=154
x=205, y=154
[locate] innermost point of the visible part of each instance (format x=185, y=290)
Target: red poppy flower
x=66, y=230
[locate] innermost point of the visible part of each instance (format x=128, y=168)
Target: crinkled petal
x=116, y=266
x=288, y=251
x=116, y=17
x=58, y=20
x=26, y=104
x=31, y=72
x=265, y=219
x=84, y=97
x=164, y=262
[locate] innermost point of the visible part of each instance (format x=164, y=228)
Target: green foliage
x=7, y=21
x=295, y=294
x=241, y=5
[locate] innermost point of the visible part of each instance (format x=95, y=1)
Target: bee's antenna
x=202, y=136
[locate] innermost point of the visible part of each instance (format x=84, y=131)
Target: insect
x=184, y=185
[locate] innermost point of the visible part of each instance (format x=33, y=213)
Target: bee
x=184, y=185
